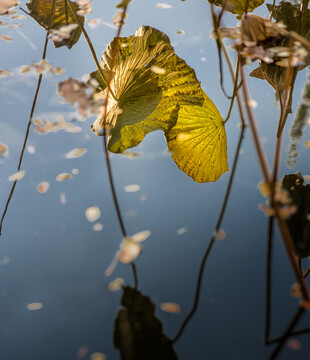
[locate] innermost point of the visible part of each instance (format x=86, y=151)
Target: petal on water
x=93, y=213
x=116, y=284
x=43, y=187
x=132, y=188
x=75, y=153
x=4, y=149
x=63, y=177
x=35, y=306
x=17, y=176
x=170, y=307
x=141, y=236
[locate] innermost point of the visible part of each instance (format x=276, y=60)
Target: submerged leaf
x=168, y=99
x=138, y=334
x=41, y=11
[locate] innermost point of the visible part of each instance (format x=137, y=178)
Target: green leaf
x=298, y=223
x=138, y=334
x=237, y=6
x=157, y=90
x=41, y=11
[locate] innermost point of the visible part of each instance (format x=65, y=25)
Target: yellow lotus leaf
x=157, y=90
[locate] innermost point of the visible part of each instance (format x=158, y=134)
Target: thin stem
x=306, y=272
x=268, y=280
x=108, y=164
x=287, y=333
x=212, y=241
x=218, y=44
x=234, y=92
x=291, y=334
x=30, y=119
x=92, y=50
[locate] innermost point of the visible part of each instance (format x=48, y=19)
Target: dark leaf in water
x=66, y=31
x=138, y=334
x=156, y=90
x=299, y=222
x=237, y=6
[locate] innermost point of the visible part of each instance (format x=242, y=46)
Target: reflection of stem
x=212, y=240
x=30, y=118
x=234, y=92
x=108, y=164
x=268, y=280
x=291, y=334
x=219, y=48
x=92, y=50
x=110, y=175
x=287, y=333
x=287, y=240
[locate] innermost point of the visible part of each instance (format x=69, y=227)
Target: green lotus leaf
x=156, y=90
x=237, y=6
x=41, y=10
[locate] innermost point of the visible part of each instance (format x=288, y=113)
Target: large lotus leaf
x=298, y=223
x=41, y=10
x=155, y=89
x=237, y=6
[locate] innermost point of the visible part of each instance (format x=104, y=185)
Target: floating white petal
x=35, y=306
x=132, y=188
x=116, y=284
x=17, y=176
x=63, y=177
x=92, y=213
x=140, y=236
x=75, y=153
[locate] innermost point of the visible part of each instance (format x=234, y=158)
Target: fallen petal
x=17, y=176
x=170, y=307
x=75, y=153
x=43, y=187
x=93, y=213
x=116, y=284
x=63, y=176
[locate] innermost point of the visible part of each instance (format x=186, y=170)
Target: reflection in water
x=138, y=334
x=298, y=223
x=299, y=124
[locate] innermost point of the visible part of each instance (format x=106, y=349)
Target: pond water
x=54, y=297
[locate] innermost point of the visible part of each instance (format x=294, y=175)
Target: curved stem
x=212, y=240
x=30, y=118
x=234, y=92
